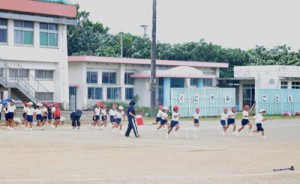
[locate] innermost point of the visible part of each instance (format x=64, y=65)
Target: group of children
x=116, y=115
x=43, y=114
x=227, y=119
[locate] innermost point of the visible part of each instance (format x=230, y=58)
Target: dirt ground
x=65, y=156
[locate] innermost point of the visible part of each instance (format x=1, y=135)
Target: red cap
x=225, y=108
x=233, y=107
x=104, y=105
x=115, y=105
x=246, y=107
x=197, y=109
x=160, y=106
x=99, y=103
x=175, y=107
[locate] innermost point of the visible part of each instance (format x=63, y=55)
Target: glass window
x=194, y=82
x=48, y=35
x=18, y=73
x=92, y=77
x=207, y=82
x=3, y=31
x=284, y=85
x=160, y=81
x=44, y=74
x=95, y=93
x=109, y=77
x=128, y=79
x=113, y=93
x=295, y=85
x=44, y=96
x=129, y=93
x=23, y=32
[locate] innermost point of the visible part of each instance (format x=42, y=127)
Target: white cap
x=12, y=100
x=30, y=103
x=165, y=108
x=121, y=107
x=262, y=110
x=39, y=104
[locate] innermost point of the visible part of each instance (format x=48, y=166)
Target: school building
x=121, y=79
x=33, y=50
x=248, y=79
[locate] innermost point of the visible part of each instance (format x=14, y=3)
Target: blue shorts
x=29, y=118
x=196, y=121
x=104, y=118
x=44, y=118
x=163, y=121
x=118, y=121
x=39, y=117
x=112, y=119
x=158, y=119
x=10, y=115
x=245, y=122
x=230, y=121
x=96, y=118
x=174, y=123
x=223, y=122
x=6, y=116
x=49, y=116
x=259, y=127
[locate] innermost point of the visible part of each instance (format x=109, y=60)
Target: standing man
x=131, y=120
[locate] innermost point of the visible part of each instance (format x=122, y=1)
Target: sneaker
x=264, y=137
x=250, y=134
x=222, y=133
x=138, y=136
x=175, y=133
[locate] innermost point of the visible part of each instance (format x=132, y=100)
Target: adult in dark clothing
x=75, y=117
x=132, y=120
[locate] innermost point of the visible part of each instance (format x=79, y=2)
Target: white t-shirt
x=224, y=116
x=5, y=109
x=112, y=112
x=30, y=111
x=11, y=108
x=159, y=113
x=103, y=111
x=231, y=115
x=25, y=109
x=53, y=109
x=196, y=115
x=258, y=118
x=120, y=114
x=175, y=116
x=164, y=115
x=245, y=113
x=38, y=111
x=97, y=111
x=44, y=111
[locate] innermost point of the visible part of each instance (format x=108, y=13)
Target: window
x=194, y=82
x=92, y=77
x=295, y=85
x=129, y=93
x=44, y=74
x=128, y=79
x=3, y=31
x=207, y=82
x=160, y=81
x=44, y=96
x=109, y=77
x=18, y=73
x=284, y=85
x=23, y=32
x=113, y=93
x=48, y=35
x=95, y=93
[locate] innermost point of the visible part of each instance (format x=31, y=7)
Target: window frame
x=48, y=32
x=50, y=99
x=44, y=74
x=109, y=95
x=94, y=97
x=4, y=27
x=126, y=93
x=208, y=82
x=127, y=79
x=17, y=72
x=296, y=85
x=89, y=77
x=23, y=29
x=109, y=77
x=284, y=85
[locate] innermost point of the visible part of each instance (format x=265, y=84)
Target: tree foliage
x=92, y=38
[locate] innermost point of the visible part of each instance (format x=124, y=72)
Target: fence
x=276, y=101
x=211, y=101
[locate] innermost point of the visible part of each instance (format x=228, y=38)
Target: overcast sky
x=229, y=23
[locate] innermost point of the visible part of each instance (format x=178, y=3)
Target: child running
x=49, y=113
x=245, y=120
x=258, y=119
x=120, y=115
x=11, y=109
x=223, y=120
x=38, y=115
x=175, y=120
x=29, y=116
x=196, y=117
x=231, y=120
x=104, y=115
x=44, y=111
x=164, y=118
x=56, y=114
x=159, y=114
x=113, y=114
x=24, y=114
x=96, y=116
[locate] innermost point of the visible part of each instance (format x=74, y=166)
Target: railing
x=28, y=86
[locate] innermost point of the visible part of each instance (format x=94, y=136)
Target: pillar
x=167, y=91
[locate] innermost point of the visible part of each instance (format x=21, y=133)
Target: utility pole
x=121, y=43
x=153, y=63
x=145, y=29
